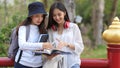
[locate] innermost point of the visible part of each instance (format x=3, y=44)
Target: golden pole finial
x=112, y=34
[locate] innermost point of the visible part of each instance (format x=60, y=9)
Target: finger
x=59, y=47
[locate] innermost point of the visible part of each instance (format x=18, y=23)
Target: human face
x=37, y=19
x=58, y=16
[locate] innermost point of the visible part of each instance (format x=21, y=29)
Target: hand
x=61, y=44
x=47, y=45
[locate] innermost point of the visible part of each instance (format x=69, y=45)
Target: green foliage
x=118, y=9
x=90, y=34
x=4, y=37
x=16, y=14
x=3, y=49
x=84, y=8
x=16, y=18
x=5, y=32
x=99, y=52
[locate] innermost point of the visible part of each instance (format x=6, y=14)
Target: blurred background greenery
x=12, y=12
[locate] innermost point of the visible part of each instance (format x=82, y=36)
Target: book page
x=53, y=51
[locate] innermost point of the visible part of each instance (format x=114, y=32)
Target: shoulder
x=22, y=27
x=73, y=25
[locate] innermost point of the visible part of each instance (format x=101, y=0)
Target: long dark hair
x=28, y=21
x=59, y=6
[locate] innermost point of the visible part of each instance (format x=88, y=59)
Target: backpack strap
x=27, y=32
x=27, y=35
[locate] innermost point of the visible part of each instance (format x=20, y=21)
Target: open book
x=43, y=38
x=50, y=52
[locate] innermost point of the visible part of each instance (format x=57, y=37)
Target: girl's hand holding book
x=61, y=44
x=47, y=45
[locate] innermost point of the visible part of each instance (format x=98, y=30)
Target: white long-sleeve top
x=28, y=46
x=73, y=36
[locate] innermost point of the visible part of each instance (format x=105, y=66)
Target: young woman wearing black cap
x=35, y=21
